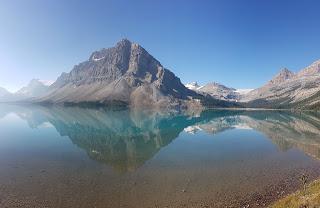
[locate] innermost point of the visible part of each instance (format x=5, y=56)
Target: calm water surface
x=76, y=157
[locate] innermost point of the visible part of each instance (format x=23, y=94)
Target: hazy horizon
x=239, y=44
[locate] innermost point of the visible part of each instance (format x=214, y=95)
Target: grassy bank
x=308, y=198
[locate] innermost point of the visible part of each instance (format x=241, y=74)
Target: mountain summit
x=284, y=75
x=126, y=74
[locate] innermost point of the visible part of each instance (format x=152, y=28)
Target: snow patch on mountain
x=192, y=86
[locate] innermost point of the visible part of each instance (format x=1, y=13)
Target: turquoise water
x=76, y=157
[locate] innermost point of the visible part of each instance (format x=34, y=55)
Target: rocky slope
x=124, y=74
x=289, y=90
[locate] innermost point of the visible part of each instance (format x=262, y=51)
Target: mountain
x=289, y=90
x=4, y=95
x=218, y=91
x=284, y=75
x=267, y=90
x=125, y=74
x=35, y=88
x=312, y=70
x=4, y=92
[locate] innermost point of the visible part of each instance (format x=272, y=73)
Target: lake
x=78, y=157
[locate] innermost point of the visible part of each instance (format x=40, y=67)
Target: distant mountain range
x=34, y=89
x=128, y=75
x=219, y=91
x=286, y=89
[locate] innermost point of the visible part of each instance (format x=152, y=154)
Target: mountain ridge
x=289, y=90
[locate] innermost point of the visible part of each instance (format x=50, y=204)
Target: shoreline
x=101, y=105
x=281, y=194
x=310, y=197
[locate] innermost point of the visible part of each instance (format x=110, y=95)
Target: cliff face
x=125, y=73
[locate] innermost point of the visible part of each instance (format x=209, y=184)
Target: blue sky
x=240, y=43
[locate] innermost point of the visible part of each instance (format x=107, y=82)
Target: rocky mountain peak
x=284, y=75
x=220, y=91
x=313, y=69
x=109, y=64
x=125, y=73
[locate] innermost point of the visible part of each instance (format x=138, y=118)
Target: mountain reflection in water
x=126, y=139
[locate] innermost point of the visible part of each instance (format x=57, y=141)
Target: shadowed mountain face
x=126, y=139
x=125, y=74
